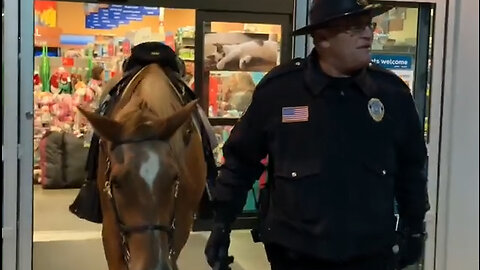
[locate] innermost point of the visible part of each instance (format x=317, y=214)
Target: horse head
x=142, y=178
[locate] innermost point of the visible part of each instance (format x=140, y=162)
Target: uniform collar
x=317, y=80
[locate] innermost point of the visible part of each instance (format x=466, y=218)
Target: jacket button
x=384, y=172
x=294, y=174
x=395, y=249
x=297, y=64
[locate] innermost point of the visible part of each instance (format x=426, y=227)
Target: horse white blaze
x=150, y=168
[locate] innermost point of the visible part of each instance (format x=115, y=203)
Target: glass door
x=403, y=45
x=235, y=52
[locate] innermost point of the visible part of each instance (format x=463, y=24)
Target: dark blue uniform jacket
x=340, y=152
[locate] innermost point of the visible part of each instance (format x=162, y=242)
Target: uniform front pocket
x=374, y=196
x=297, y=193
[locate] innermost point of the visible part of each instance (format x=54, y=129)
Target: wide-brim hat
x=324, y=11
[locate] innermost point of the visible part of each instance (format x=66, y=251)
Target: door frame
x=437, y=93
x=10, y=134
x=245, y=220
x=25, y=119
x=264, y=6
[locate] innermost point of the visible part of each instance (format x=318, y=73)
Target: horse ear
x=107, y=129
x=167, y=127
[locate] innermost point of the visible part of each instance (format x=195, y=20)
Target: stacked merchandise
x=185, y=48
x=230, y=92
x=60, y=131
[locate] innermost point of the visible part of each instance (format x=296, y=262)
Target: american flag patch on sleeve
x=294, y=114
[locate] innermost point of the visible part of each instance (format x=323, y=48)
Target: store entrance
x=79, y=49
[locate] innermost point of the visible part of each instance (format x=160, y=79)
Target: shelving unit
x=185, y=43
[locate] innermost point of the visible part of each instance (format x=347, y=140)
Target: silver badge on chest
x=376, y=109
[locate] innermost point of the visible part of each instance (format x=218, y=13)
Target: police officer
x=344, y=142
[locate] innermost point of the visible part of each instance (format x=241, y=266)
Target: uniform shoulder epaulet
x=388, y=74
x=283, y=69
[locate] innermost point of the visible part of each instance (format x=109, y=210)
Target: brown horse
x=151, y=174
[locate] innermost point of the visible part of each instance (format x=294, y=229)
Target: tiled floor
x=64, y=242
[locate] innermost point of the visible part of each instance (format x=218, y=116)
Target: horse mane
x=154, y=92
x=150, y=97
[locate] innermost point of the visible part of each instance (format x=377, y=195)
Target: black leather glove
x=217, y=246
x=411, y=249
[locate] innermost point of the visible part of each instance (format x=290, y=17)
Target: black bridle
x=126, y=231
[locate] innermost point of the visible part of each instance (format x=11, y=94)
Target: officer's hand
x=217, y=246
x=411, y=249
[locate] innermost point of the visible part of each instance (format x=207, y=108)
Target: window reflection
x=237, y=56
x=230, y=93
x=221, y=134
x=396, y=30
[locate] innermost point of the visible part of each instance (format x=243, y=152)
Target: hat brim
x=373, y=9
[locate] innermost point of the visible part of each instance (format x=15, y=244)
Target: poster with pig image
x=241, y=52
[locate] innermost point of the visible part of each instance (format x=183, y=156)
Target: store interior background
x=61, y=240
x=63, y=27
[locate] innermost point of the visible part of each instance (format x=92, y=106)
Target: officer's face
x=347, y=40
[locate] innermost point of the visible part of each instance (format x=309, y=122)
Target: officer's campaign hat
x=323, y=11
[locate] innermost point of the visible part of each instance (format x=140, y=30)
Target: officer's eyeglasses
x=354, y=29
x=358, y=29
